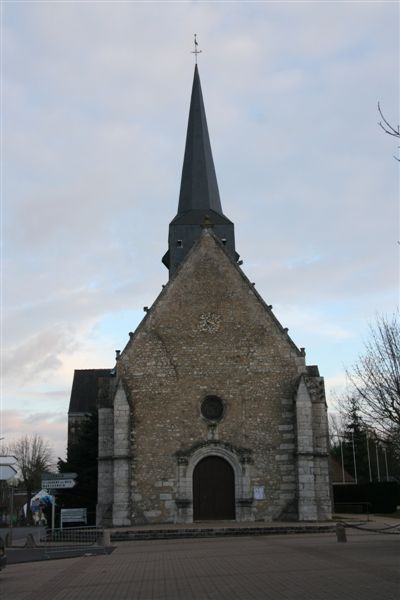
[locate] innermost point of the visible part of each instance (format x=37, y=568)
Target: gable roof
x=207, y=233
x=84, y=393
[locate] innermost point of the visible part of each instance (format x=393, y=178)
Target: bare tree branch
x=34, y=457
x=386, y=126
x=376, y=376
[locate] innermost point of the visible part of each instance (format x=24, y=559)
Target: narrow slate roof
x=199, y=187
x=199, y=199
x=84, y=393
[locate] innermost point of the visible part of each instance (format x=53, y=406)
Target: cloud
x=93, y=144
x=315, y=322
x=52, y=427
x=37, y=355
x=335, y=386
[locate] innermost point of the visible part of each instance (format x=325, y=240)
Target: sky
x=94, y=107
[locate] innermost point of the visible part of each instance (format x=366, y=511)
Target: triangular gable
x=209, y=248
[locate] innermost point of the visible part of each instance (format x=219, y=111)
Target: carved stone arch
x=187, y=462
x=217, y=450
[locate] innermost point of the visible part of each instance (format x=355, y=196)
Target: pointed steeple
x=199, y=187
x=199, y=195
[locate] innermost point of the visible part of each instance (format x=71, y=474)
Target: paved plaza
x=285, y=567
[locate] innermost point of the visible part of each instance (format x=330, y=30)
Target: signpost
x=57, y=481
x=8, y=460
x=57, y=476
x=7, y=472
x=58, y=484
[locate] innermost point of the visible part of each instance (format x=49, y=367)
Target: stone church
x=211, y=412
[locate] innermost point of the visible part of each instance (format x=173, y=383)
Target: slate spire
x=199, y=187
x=199, y=196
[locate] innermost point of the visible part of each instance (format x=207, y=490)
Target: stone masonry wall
x=209, y=333
x=321, y=451
x=122, y=459
x=105, y=477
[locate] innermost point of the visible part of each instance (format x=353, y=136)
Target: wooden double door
x=213, y=490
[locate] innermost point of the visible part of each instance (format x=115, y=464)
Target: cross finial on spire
x=196, y=51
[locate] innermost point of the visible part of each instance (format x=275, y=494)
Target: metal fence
x=357, y=508
x=75, y=540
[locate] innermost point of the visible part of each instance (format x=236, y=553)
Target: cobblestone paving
x=295, y=567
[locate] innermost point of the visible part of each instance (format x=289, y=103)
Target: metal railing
x=75, y=540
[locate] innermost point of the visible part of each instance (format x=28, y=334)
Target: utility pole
x=354, y=456
x=377, y=461
x=341, y=453
x=10, y=529
x=369, y=457
x=386, y=462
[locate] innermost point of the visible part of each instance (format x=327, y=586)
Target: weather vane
x=196, y=51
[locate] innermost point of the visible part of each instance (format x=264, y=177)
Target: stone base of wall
x=104, y=514
x=120, y=515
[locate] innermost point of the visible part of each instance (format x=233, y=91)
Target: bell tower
x=199, y=201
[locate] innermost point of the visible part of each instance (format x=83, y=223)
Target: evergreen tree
x=350, y=445
x=82, y=459
x=367, y=456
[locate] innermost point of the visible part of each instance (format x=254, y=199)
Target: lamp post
x=377, y=461
x=386, y=462
x=341, y=454
x=354, y=456
x=10, y=525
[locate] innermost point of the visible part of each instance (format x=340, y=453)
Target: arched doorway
x=213, y=490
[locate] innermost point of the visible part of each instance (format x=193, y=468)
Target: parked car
x=3, y=556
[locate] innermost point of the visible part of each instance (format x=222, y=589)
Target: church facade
x=211, y=412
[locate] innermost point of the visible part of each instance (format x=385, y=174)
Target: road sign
x=52, y=476
x=58, y=484
x=73, y=515
x=8, y=460
x=7, y=472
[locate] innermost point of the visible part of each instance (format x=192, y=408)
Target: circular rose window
x=212, y=408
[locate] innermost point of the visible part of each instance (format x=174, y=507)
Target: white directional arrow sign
x=8, y=460
x=58, y=484
x=52, y=476
x=7, y=472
